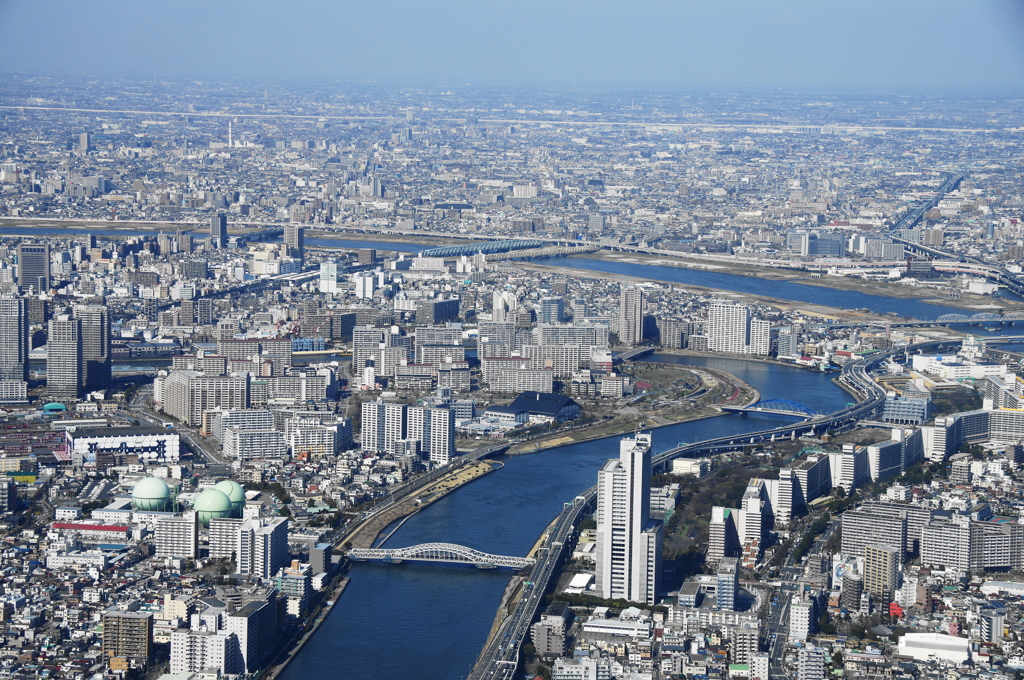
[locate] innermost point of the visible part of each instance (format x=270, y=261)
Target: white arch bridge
x=439, y=552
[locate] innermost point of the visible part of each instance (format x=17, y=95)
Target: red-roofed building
x=98, y=533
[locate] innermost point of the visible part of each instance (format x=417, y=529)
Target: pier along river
x=430, y=622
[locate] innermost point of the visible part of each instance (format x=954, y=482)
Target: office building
x=63, y=358
x=295, y=241
x=628, y=553
x=320, y=558
x=431, y=312
x=34, y=267
x=551, y=310
x=631, y=315
x=801, y=618
x=95, y=329
x=13, y=338
x=219, y=231
x=909, y=408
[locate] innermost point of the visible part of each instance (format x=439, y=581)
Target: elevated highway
x=500, y=657
x=915, y=214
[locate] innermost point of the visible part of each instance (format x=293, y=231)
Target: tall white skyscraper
x=504, y=307
x=329, y=277
x=731, y=329
x=364, y=283
x=628, y=541
x=631, y=315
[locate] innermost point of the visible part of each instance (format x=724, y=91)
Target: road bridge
x=782, y=407
x=486, y=247
x=500, y=655
x=632, y=354
x=439, y=552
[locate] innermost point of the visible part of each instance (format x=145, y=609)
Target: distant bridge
x=486, y=248
x=783, y=407
x=440, y=552
x=983, y=317
x=629, y=355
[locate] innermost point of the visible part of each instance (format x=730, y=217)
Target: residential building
x=628, y=552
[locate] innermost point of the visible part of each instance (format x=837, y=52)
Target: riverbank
x=415, y=239
x=295, y=646
x=897, y=291
x=628, y=421
x=365, y=535
x=786, y=306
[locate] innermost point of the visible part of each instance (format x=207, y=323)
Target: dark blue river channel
x=424, y=622
x=786, y=290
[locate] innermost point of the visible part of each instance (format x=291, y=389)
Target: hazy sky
x=834, y=44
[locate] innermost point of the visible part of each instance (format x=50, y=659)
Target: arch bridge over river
x=440, y=552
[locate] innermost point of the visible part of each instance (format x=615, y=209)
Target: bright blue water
x=710, y=279
x=428, y=622
x=785, y=290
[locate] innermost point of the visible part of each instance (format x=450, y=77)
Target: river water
x=786, y=290
x=430, y=622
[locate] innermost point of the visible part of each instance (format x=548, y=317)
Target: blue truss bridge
x=779, y=407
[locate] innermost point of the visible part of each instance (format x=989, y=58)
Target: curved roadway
x=500, y=656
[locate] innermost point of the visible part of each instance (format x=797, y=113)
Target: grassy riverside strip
x=745, y=395
x=414, y=500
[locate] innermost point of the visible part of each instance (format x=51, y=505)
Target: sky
x=833, y=45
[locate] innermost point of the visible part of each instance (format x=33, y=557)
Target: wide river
x=430, y=622
x=426, y=622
